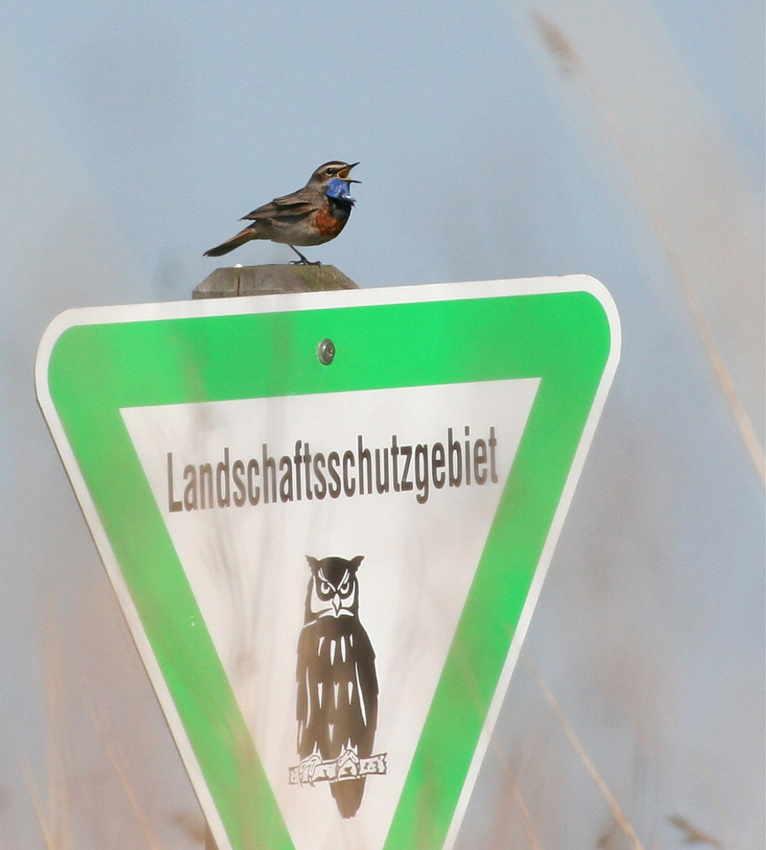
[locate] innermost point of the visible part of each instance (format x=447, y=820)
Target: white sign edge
x=546, y=556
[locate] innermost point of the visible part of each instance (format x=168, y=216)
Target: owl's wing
x=312, y=729
x=337, y=699
x=357, y=714
x=363, y=703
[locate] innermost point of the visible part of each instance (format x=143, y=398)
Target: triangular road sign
x=328, y=552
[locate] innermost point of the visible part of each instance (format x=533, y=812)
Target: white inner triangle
x=247, y=565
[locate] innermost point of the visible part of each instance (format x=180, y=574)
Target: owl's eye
x=345, y=587
x=324, y=588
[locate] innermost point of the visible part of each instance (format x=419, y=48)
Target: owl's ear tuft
x=356, y=561
x=313, y=563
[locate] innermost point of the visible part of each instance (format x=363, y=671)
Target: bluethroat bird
x=313, y=215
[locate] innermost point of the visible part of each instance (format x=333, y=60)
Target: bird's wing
x=297, y=204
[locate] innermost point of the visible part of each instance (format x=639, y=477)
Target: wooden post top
x=264, y=280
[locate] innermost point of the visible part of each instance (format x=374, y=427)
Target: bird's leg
x=303, y=261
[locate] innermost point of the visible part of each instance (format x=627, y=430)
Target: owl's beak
x=336, y=604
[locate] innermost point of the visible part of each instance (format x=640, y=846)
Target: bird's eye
x=345, y=587
x=330, y=171
x=325, y=589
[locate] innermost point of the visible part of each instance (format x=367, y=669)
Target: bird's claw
x=307, y=768
x=302, y=261
x=348, y=764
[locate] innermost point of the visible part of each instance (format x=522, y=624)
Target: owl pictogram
x=337, y=703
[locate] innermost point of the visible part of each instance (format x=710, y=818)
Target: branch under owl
x=339, y=770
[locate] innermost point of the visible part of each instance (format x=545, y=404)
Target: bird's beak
x=336, y=604
x=344, y=174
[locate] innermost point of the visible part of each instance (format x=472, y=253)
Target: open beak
x=344, y=174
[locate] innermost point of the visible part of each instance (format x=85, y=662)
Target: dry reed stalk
x=58, y=759
x=692, y=835
x=562, y=47
x=120, y=765
x=618, y=815
x=33, y=790
x=34, y=795
x=529, y=826
x=719, y=813
x=512, y=785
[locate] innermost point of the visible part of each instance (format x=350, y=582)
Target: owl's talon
x=307, y=768
x=348, y=764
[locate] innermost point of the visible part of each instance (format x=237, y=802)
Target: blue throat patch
x=340, y=190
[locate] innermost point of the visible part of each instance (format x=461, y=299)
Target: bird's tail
x=230, y=244
x=348, y=796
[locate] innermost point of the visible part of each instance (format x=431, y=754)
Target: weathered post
x=234, y=281
x=268, y=280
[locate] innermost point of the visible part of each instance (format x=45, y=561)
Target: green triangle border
x=92, y=363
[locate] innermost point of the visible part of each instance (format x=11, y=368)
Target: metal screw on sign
x=326, y=352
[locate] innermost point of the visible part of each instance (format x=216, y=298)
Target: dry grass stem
x=58, y=767
x=561, y=46
x=692, y=835
x=509, y=782
x=34, y=795
x=509, y=779
x=619, y=816
x=529, y=824
x=725, y=826
x=119, y=762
